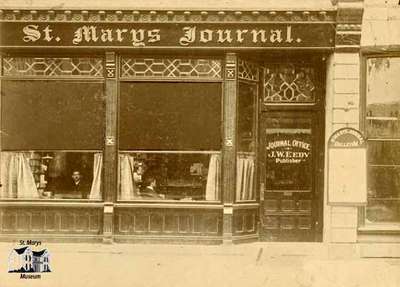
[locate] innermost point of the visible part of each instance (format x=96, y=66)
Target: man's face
x=76, y=175
x=140, y=170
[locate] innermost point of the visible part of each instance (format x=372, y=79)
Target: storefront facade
x=198, y=125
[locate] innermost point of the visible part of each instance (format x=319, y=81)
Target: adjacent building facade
x=254, y=121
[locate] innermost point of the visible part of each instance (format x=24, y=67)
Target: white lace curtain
x=16, y=176
x=213, y=187
x=128, y=189
x=95, y=191
x=245, y=177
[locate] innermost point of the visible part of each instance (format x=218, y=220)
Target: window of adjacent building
x=52, y=123
x=170, y=131
x=383, y=133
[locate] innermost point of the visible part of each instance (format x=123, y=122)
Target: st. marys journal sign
x=167, y=35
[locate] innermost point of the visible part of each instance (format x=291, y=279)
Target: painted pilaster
x=110, y=148
x=344, y=103
x=229, y=143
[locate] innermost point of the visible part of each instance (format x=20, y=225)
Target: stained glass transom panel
x=170, y=68
x=247, y=71
x=287, y=83
x=53, y=67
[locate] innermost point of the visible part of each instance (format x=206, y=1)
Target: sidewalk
x=245, y=265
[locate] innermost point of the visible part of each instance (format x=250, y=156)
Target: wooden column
x=110, y=148
x=1, y=134
x=229, y=144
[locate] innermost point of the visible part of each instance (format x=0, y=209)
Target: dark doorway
x=291, y=152
x=289, y=166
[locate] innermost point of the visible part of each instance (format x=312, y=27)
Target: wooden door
x=289, y=152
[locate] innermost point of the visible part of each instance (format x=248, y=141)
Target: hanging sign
x=347, y=169
x=182, y=35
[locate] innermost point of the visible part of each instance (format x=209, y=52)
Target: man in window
x=150, y=191
x=78, y=186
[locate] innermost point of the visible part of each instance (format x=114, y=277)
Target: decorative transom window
x=248, y=71
x=52, y=67
x=289, y=83
x=170, y=68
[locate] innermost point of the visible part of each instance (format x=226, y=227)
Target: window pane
x=384, y=152
x=383, y=101
x=289, y=83
x=170, y=116
x=382, y=211
x=383, y=194
x=246, y=117
x=51, y=175
x=384, y=182
x=169, y=176
x=288, y=154
x=174, y=68
x=52, y=115
x=245, y=162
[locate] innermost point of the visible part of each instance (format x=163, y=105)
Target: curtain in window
x=128, y=189
x=95, y=191
x=57, y=165
x=244, y=177
x=213, y=178
x=16, y=176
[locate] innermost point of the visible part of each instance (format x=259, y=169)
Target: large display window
x=52, y=123
x=170, y=136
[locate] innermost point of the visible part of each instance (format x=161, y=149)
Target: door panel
x=288, y=162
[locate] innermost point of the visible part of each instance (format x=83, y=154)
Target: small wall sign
x=347, y=168
x=346, y=138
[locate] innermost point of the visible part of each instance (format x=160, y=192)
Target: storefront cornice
x=162, y=16
x=349, y=25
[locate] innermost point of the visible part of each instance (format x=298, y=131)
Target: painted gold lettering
x=259, y=35
x=106, y=35
x=137, y=37
x=47, y=31
x=119, y=32
x=276, y=36
x=239, y=35
x=154, y=35
x=206, y=35
x=289, y=38
x=31, y=32
x=224, y=36
x=188, y=37
x=85, y=33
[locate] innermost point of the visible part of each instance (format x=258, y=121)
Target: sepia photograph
x=200, y=143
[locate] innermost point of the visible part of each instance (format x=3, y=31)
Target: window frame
x=219, y=80
x=255, y=127
x=363, y=225
x=99, y=79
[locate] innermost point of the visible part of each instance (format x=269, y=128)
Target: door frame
x=318, y=139
x=318, y=62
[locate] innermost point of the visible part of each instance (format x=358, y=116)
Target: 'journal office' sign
x=141, y=35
